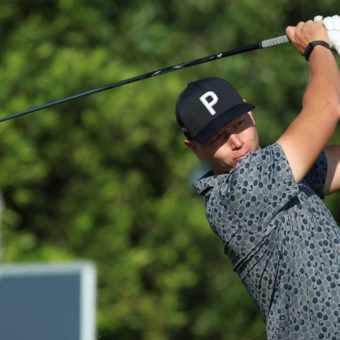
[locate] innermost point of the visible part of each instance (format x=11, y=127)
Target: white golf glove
x=332, y=25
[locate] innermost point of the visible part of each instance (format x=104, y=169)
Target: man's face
x=231, y=144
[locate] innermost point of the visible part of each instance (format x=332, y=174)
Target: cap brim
x=222, y=120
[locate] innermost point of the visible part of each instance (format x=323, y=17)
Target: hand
x=332, y=25
x=305, y=32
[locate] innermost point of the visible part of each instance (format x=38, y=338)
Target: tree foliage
x=107, y=177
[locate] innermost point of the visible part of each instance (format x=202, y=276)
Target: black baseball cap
x=207, y=105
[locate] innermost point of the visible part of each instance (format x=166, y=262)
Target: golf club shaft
x=259, y=45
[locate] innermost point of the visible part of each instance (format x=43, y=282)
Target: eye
x=239, y=122
x=216, y=138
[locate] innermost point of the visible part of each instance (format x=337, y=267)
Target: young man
x=265, y=203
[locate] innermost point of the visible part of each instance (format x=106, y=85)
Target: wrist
x=309, y=49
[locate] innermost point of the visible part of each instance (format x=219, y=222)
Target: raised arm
x=309, y=133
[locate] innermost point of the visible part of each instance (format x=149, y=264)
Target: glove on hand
x=332, y=25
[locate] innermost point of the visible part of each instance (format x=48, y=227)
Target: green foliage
x=107, y=177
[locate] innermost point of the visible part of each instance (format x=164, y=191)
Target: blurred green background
x=107, y=177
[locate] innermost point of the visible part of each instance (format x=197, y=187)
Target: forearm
x=324, y=83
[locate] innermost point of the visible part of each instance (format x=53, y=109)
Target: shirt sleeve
x=316, y=177
x=242, y=205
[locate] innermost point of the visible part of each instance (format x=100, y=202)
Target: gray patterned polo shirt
x=282, y=241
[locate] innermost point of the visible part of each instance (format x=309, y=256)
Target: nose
x=235, y=141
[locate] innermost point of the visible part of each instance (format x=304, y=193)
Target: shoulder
x=262, y=178
x=261, y=162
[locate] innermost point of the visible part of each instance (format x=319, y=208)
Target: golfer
x=265, y=203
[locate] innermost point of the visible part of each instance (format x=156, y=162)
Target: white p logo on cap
x=209, y=104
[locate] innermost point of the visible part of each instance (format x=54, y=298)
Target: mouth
x=241, y=157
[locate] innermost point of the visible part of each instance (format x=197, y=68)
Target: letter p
x=209, y=104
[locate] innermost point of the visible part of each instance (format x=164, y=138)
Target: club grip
x=283, y=39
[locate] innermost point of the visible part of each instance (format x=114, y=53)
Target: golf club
x=259, y=45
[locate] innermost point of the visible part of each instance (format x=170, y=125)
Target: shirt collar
x=205, y=183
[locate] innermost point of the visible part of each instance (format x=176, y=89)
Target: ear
x=250, y=113
x=194, y=147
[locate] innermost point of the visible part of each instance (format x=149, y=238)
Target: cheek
x=251, y=136
x=222, y=153
x=255, y=137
